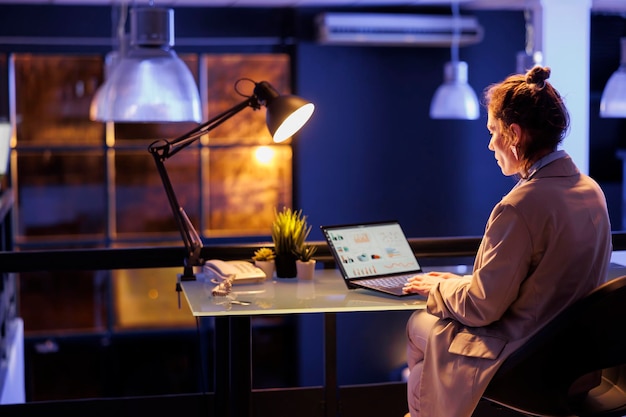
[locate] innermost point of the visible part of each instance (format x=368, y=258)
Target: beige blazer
x=547, y=243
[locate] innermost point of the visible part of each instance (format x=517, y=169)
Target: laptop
x=376, y=256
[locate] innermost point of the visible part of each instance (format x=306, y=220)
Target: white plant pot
x=267, y=267
x=306, y=270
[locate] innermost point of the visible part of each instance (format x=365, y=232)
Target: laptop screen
x=370, y=250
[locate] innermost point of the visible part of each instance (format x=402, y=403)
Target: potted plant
x=289, y=232
x=264, y=259
x=305, y=264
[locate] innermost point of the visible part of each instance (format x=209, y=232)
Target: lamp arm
x=191, y=239
x=162, y=150
x=169, y=148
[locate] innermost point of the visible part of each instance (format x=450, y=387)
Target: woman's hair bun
x=538, y=75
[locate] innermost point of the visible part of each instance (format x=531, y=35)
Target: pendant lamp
x=613, y=101
x=5, y=150
x=455, y=98
x=148, y=83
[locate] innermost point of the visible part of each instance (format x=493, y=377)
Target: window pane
x=223, y=71
x=244, y=181
x=60, y=194
x=141, y=203
x=52, y=98
x=4, y=92
x=245, y=185
x=63, y=301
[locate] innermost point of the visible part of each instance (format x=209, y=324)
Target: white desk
x=326, y=293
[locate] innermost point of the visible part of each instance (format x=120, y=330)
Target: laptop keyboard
x=397, y=281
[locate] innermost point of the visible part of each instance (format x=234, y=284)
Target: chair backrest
x=587, y=339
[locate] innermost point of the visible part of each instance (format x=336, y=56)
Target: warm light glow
x=264, y=155
x=153, y=294
x=293, y=123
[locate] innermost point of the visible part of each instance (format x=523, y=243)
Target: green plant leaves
x=289, y=231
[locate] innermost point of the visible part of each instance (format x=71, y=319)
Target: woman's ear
x=516, y=131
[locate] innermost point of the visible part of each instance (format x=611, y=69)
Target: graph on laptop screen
x=372, y=250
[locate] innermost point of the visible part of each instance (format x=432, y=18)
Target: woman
x=547, y=243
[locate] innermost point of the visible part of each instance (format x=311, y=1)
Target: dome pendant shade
x=150, y=83
x=148, y=86
x=613, y=101
x=455, y=99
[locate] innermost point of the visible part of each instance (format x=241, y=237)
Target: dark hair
x=531, y=102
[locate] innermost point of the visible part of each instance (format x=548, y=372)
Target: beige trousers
x=418, y=328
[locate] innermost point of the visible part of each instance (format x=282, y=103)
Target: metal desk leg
x=241, y=366
x=221, y=361
x=331, y=389
x=233, y=368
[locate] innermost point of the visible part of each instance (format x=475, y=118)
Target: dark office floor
x=489, y=409
x=283, y=405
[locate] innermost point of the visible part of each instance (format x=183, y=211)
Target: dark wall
x=607, y=136
x=372, y=152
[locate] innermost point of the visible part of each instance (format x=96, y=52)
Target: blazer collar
x=561, y=166
x=555, y=164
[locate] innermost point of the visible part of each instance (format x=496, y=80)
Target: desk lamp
x=285, y=115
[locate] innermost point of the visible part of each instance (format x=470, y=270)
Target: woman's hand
x=422, y=284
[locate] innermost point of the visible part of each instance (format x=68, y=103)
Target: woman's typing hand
x=423, y=283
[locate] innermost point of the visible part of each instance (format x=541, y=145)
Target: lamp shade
x=285, y=114
x=150, y=83
x=5, y=147
x=455, y=99
x=613, y=101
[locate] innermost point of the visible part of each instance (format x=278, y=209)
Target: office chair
x=575, y=365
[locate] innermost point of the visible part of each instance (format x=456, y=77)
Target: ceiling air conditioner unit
x=396, y=29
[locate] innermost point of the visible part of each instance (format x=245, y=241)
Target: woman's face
x=502, y=148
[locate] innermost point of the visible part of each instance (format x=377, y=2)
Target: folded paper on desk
x=244, y=272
